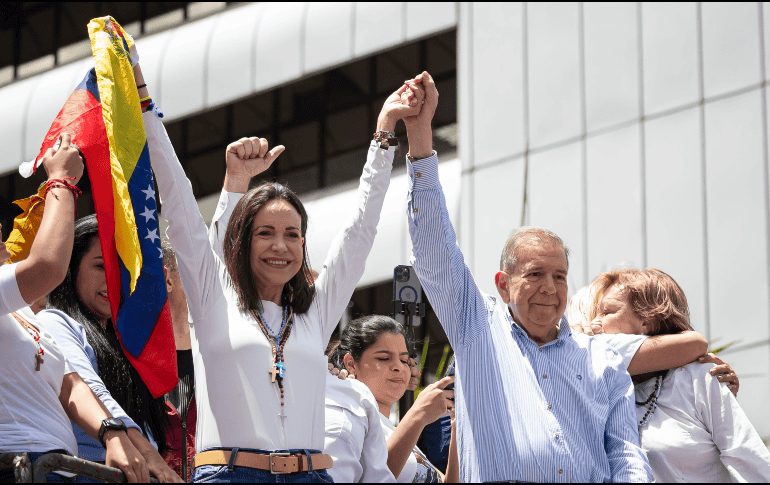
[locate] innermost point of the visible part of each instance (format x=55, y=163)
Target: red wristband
x=56, y=183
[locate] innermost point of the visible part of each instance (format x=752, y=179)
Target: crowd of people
x=618, y=387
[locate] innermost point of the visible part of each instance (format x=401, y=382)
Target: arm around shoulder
x=663, y=352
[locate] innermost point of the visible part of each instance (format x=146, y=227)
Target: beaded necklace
x=277, y=343
x=35, y=336
x=651, y=402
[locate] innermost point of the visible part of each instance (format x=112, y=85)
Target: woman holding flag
x=260, y=328
x=41, y=391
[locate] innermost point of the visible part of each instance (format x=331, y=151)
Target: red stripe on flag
x=81, y=104
x=156, y=364
x=81, y=117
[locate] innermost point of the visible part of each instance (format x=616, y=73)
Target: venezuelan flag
x=104, y=118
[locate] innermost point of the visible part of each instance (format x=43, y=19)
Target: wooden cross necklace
x=35, y=336
x=277, y=344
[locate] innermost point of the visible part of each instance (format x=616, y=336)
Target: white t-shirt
x=238, y=405
x=417, y=468
x=354, y=436
x=31, y=417
x=698, y=432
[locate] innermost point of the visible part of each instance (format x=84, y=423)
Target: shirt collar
x=564, y=335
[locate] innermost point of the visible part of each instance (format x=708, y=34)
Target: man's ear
x=350, y=364
x=167, y=278
x=501, y=282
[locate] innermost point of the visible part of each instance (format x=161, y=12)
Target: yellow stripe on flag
x=26, y=225
x=125, y=130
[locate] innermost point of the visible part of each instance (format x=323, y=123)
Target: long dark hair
x=237, y=250
x=117, y=373
x=362, y=333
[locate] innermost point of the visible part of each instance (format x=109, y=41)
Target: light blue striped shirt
x=563, y=412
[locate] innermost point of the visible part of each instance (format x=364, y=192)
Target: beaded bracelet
x=56, y=183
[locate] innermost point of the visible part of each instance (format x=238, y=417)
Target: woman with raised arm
x=41, y=392
x=260, y=328
x=690, y=425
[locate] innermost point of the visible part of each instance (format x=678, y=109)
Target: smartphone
x=407, y=290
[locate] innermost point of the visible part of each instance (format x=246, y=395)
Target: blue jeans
x=241, y=474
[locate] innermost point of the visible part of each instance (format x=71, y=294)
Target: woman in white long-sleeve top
x=259, y=328
x=374, y=350
x=354, y=434
x=690, y=425
x=40, y=392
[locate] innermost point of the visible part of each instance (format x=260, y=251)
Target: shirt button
x=545, y=376
x=540, y=349
x=415, y=209
x=418, y=174
x=560, y=472
x=549, y=406
x=557, y=436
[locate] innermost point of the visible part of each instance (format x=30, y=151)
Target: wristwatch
x=110, y=424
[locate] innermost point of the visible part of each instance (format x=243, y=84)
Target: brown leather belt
x=275, y=463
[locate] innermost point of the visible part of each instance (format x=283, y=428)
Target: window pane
x=670, y=50
x=497, y=212
x=675, y=205
x=555, y=198
x=554, y=82
x=496, y=81
x=611, y=64
x=730, y=46
x=737, y=234
x=614, y=200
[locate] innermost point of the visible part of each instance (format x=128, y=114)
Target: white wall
x=642, y=131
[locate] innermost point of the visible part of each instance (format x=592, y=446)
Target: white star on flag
x=152, y=235
x=149, y=193
x=161, y=253
x=148, y=214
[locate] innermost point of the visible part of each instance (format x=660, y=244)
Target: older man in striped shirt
x=534, y=402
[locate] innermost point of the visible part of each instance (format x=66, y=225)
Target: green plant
x=723, y=347
x=441, y=363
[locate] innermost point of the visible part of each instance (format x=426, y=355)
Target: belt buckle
x=272, y=472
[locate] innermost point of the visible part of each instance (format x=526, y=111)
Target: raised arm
x=186, y=230
x=439, y=263
x=46, y=266
x=245, y=159
x=347, y=255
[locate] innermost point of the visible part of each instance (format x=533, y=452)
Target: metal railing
x=26, y=472
x=22, y=469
